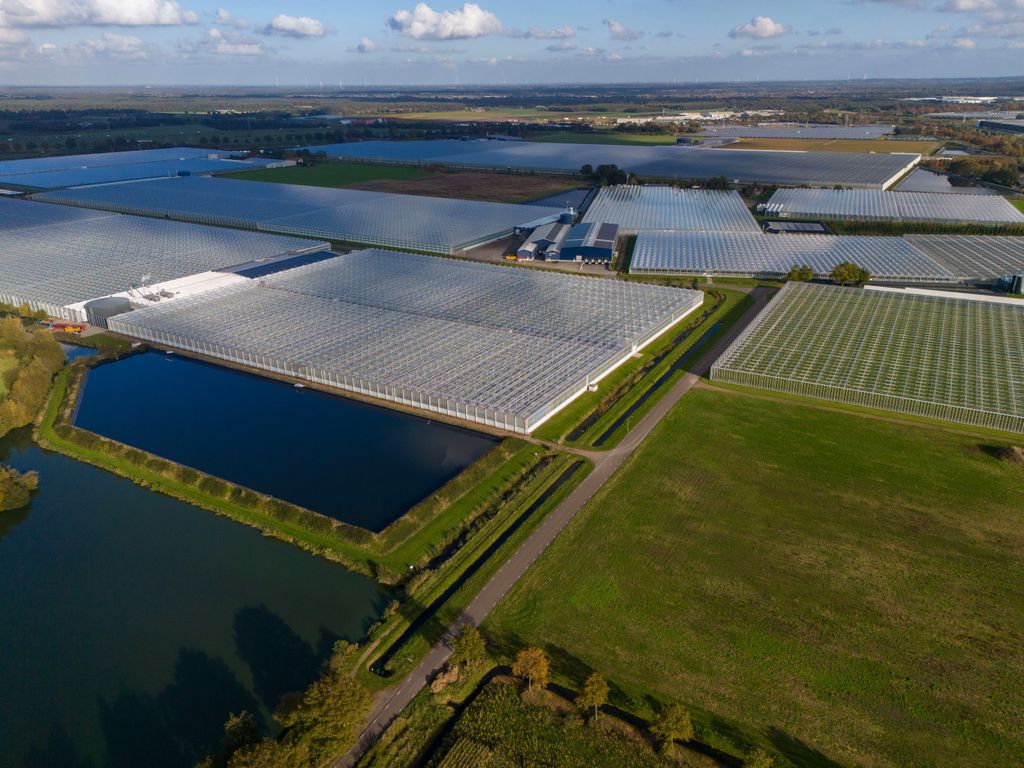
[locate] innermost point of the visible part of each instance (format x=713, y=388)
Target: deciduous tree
x=594, y=694
x=532, y=665
x=672, y=724
x=469, y=647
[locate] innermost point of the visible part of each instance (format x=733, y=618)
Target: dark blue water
x=354, y=462
x=132, y=624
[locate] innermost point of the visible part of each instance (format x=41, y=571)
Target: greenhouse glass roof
x=875, y=205
x=636, y=208
x=748, y=255
x=501, y=346
x=934, y=356
x=433, y=224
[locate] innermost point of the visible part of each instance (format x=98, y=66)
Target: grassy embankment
x=841, y=589
x=880, y=146
x=589, y=417
x=391, y=556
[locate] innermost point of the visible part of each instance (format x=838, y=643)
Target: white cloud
x=969, y=6
x=558, y=33
x=12, y=37
x=562, y=45
x=94, y=13
x=759, y=28
x=617, y=31
x=964, y=44
x=108, y=46
x=613, y=56
x=366, y=45
x=225, y=18
x=424, y=23
x=294, y=26
x=223, y=45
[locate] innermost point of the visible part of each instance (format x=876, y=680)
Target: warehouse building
x=507, y=348
x=591, y=243
x=544, y=242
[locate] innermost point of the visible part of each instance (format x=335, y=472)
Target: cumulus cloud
x=563, y=32
x=964, y=44
x=366, y=45
x=969, y=6
x=562, y=45
x=424, y=23
x=108, y=46
x=225, y=18
x=222, y=45
x=94, y=13
x=12, y=37
x=616, y=31
x=294, y=26
x=759, y=28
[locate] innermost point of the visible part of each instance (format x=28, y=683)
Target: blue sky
x=83, y=42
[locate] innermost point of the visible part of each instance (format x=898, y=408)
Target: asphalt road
x=394, y=700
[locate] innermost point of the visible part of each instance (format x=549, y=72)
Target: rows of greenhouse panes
x=67, y=258
x=796, y=131
x=851, y=169
x=733, y=254
x=432, y=224
x=948, y=358
x=974, y=257
x=637, y=208
x=499, y=346
x=876, y=205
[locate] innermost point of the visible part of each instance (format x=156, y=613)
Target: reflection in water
x=358, y=463
x=129, y=621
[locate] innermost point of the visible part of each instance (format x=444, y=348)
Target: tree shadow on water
x=59, y=750
x=180, y=725
x=280, y=660
x=797, y=752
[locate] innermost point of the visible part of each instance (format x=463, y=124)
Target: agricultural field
x=838, y=145
x=494, y=115
x=500, y=728
x=840, y=589
x=406, y=180
x=1018, y=203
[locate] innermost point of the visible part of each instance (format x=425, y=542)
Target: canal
x=355, y=462
x=131, y=624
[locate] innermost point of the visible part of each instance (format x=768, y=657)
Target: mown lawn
x=331, y=174
x=844, y=589
x=1019, y=203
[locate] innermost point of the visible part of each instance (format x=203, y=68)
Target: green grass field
x=1019, y=204
x=843, y=589
x=331, y=174
x=602, y=137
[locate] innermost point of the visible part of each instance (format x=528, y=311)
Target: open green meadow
x=1019, y=203
x=841, y=589
x=331, y=174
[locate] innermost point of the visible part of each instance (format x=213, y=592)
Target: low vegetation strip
x=771, y=566
x=392, y=557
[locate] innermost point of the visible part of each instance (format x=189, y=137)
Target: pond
x=131, y=624
x=358, y=463
x=74, y=352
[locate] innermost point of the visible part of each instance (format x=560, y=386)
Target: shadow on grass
x=797, y=752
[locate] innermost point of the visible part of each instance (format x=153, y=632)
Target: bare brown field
x=472, y=185
x=838, y=145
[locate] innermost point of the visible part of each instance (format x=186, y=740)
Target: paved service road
x=606, y=463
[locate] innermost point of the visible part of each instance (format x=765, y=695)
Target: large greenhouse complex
x=938, y=356
x=104, y=168
x=498, y=346
x=58, y=259
x=733, y=254
x=875, y=205
x=638, y=208
x=851, y=169
x=976, y=258
x=431, y=224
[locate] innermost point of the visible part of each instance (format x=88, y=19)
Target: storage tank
x=98, y=311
